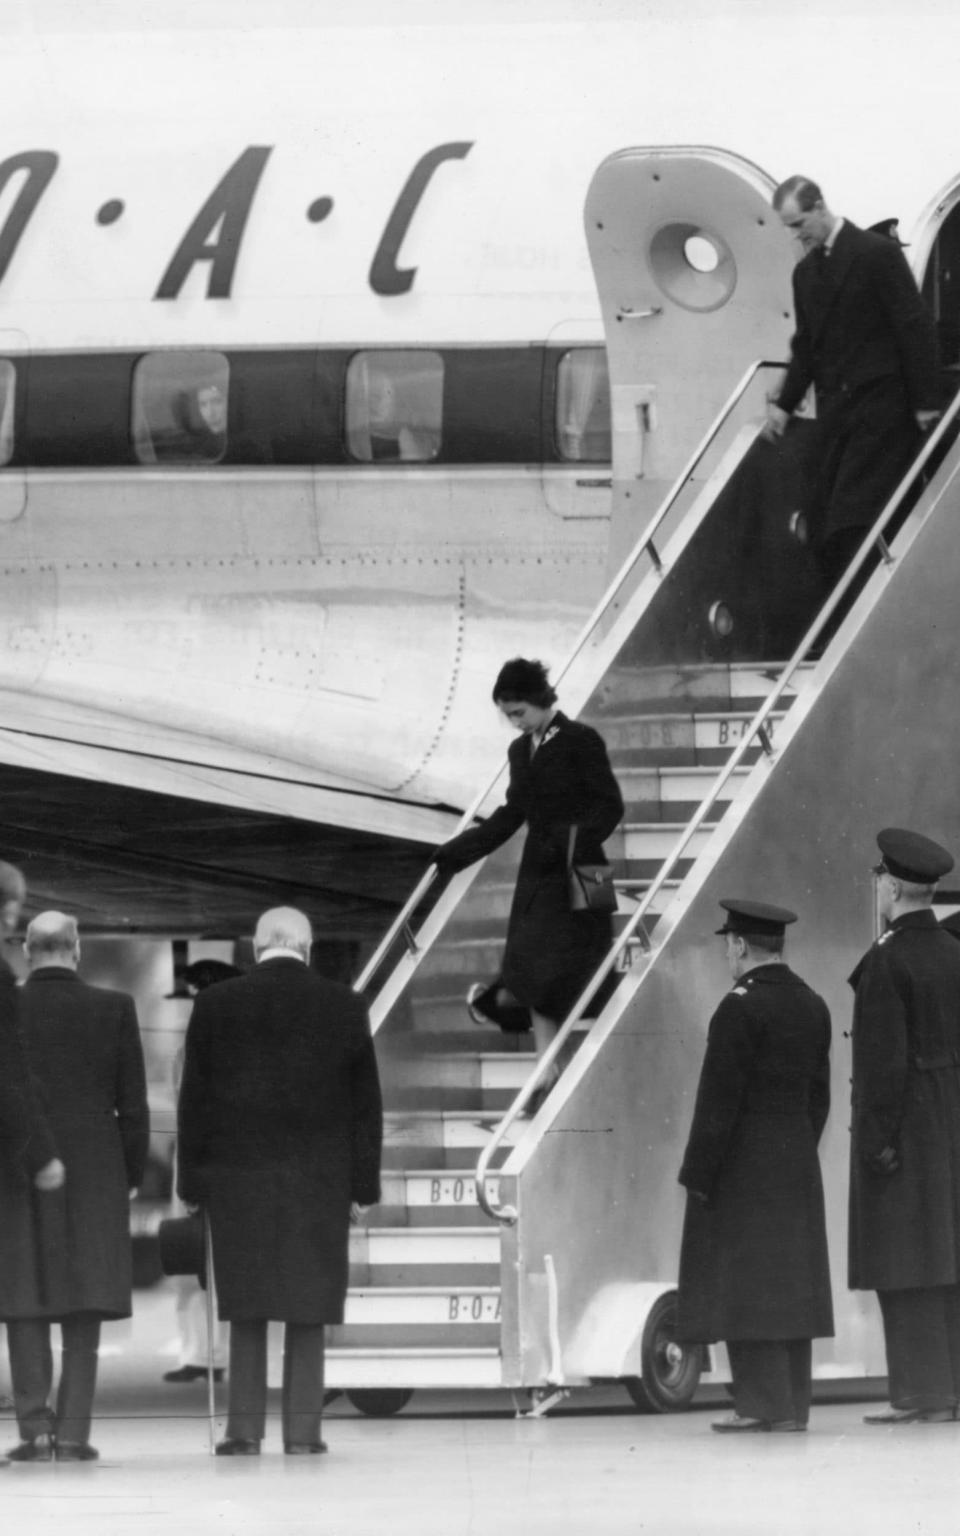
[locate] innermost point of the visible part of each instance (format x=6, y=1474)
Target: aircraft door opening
x=693, y=272
x=13, y=485
x=935, y=258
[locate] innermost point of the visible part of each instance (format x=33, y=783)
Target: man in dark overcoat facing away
x=905, y=1133
x=280, y=1130
x=866, y=341
x=25, y=1135
x=754, y=1269
x=66, y=1257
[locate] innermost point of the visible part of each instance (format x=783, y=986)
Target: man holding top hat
x=905, y=1149
x=754, y=1270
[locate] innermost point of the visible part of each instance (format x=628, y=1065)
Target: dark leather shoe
x=306, y=1448
x=40, y=1448
x=911, y=1416
x=76, y=1450
x=733, y=1424
x=232, y=1447
x=193, y=1373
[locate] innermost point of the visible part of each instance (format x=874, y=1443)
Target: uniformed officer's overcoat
x=753, y=1262
x=905, y=1224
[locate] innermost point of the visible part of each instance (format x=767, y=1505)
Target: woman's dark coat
x=753, y=1262
x=551, y=952
x=68, y=1250
x=280, y=1128
x=905, y=1222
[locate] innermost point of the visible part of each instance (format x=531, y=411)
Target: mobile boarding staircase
x=539, y=1254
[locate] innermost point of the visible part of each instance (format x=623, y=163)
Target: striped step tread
x=627, y=690
x=466, y=1246
x=434, y=1189
x=355, y=1368
x=657, y=840
x=414, y=1139
x=496, y=1070
x=681, y=733
x=434, y=1305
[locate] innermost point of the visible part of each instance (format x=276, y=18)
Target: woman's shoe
x=472, y=1000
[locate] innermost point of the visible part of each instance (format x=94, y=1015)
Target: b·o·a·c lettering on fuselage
x=214, y=237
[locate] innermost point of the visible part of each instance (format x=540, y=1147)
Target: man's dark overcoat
x=280, y=1128
x=864, y=338
x=905, y=1225
x=551, y=952
x=753, y=1262
x=26, y=1140
x=68, y=1250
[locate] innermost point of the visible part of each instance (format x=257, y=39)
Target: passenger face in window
x=212, y=408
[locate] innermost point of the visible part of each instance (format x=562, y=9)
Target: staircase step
x=454, y=1138
x=657, y=840
x=421, y=1305
x=352, y=1368
x=435, y=1189
x=679, y=740
x=458, y=1080
x=673, y=794
x=424, y=1256
x=628, y=690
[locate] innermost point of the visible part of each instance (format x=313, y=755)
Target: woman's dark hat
x=911, y=856
x=758, y=917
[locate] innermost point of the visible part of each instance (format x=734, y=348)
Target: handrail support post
x=884, y=549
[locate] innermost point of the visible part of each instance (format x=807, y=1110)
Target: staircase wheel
x=671, y=1370
x=380, y=1402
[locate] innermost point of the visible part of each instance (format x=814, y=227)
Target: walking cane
x=211, y=1324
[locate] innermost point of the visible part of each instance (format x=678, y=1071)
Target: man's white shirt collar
x=278, y=953
x=831, y=239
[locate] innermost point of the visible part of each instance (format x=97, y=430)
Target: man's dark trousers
x=921, y=1330
x=771, y=1379
x=302, y=1395
x=31, y=1371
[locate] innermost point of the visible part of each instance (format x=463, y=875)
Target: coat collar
x=767, y=975
x=845, y=250
x=925, y=918
x=924, y=921
x=52, y=973
x=553, y=730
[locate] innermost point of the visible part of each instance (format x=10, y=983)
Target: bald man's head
x=284, y=928
x=52, y=939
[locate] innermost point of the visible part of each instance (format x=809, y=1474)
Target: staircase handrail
x=507, y=1214
x=644, y=545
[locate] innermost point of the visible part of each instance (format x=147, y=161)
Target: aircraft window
x=583, y=406
x=8, y=385
x=179, y=409
x=394, y=406
x=701, y=253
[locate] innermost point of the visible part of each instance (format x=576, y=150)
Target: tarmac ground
x=462, y=1464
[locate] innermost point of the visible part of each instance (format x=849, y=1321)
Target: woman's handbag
x=591, y=885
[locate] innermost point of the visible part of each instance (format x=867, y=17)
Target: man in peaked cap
x=905, y=1149
x=754, y=1270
